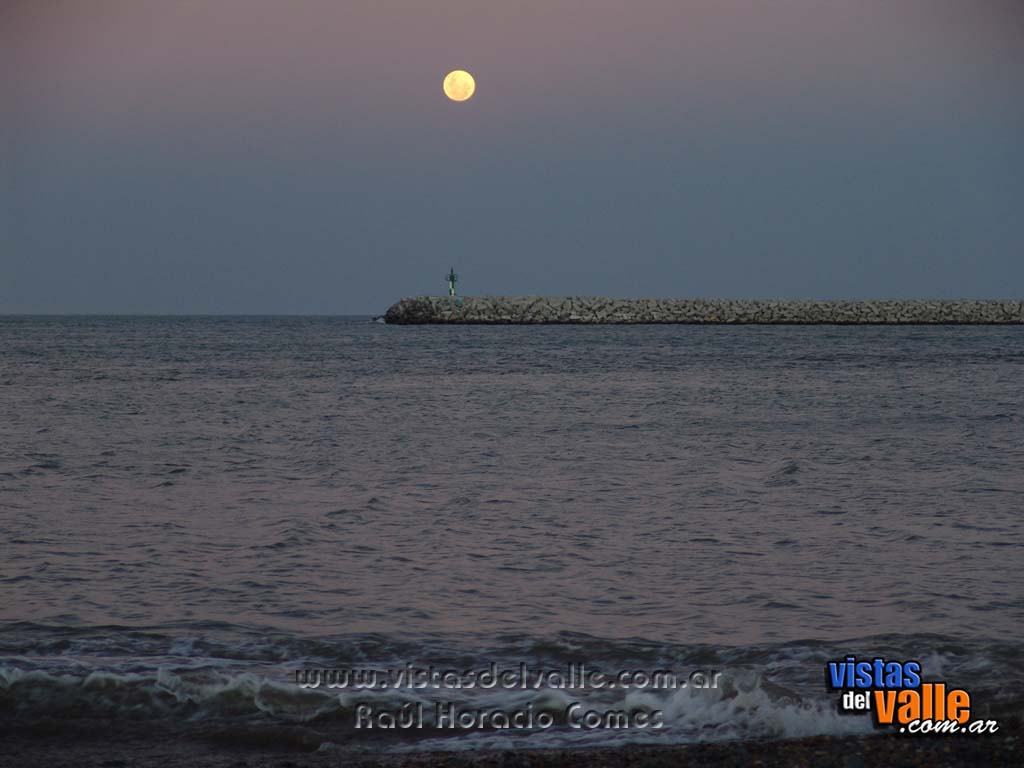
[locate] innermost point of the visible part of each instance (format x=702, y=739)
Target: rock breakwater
x=531, y=310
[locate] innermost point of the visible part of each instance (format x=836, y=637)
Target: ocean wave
x=235, y=678
x=746, y=706
x=159, y=693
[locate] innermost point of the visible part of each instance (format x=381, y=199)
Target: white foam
x=745, y=707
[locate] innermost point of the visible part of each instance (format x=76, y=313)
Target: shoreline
x=121, y=745
x=596, y=310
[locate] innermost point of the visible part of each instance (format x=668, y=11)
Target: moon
x=459, y=85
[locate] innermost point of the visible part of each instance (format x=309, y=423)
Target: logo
x=898, y=697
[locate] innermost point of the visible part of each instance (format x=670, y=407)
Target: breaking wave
x=765, y=692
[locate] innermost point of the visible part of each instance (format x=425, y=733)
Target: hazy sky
x=299, y=156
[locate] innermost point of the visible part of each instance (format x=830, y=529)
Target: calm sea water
x=191, y=509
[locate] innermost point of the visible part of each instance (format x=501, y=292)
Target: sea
x=330, y=524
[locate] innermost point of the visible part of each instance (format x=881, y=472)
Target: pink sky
x=299, y=155
x=125, y=63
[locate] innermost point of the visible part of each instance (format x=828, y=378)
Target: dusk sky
x=256, y=156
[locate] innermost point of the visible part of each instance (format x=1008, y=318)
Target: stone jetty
x=596, y=310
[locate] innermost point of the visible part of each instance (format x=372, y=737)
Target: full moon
x=459, y=85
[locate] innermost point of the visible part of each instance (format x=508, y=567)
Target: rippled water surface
x=245, y=494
